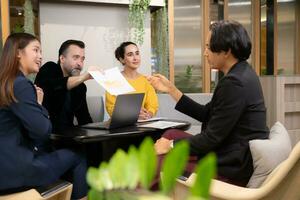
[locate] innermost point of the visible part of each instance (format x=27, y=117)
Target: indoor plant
x=160, y=40
x=129, y=175
x=136, y=19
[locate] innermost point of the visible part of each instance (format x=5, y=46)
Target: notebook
x=126, y=112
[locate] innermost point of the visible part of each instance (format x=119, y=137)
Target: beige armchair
x=282, y=184
x=57, y=192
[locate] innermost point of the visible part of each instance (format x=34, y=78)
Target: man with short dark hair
x=235, y=115
x=64, y=88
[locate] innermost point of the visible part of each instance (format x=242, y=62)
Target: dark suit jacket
x=50, y=78
x=235, y=115
x=24, y=126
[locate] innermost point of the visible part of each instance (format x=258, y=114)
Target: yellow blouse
x=141, y=85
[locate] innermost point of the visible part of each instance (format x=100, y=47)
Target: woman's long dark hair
x=9, y=65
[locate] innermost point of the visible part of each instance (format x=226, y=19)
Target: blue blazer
x=24, y=126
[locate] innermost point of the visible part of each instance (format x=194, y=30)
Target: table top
x=85, y=135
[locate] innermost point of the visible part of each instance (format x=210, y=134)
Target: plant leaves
x=173, y=166
x=116, y=167
x=95, y=195
x=99, y=179
x=196, y=198
x=93, y=177
x=136, y=17
x=148, y=162
x=105, y=178
x=132, y=172
x=206, y=170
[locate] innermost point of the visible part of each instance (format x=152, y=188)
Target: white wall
x=101, y=26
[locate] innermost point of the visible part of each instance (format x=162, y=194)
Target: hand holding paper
x=112, y=81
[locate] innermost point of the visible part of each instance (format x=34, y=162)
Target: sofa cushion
x=167, y=106
x=96, y=107
x=268, y=154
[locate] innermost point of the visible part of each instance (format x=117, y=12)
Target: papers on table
x=112, y=81
x=151, y=119
x=161, y=124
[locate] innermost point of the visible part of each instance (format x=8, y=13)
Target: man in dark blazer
x=236, y=113
x=64, y=88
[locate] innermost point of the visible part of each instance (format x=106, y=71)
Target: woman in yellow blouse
x=129, y=55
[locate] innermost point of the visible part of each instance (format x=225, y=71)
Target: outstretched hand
x=87, y=76
x=160, y=83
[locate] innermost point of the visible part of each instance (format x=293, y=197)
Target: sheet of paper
x=161, y=124
x=151, y=119
x=112, y=81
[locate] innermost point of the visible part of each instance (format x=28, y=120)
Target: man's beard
x=75, y=72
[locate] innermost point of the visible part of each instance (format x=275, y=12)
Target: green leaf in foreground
x=173, y=166
x=206, y=170
x=116, y=169
x=93, y=177
x=131, y=168
x=148, y=161
x=95, y=195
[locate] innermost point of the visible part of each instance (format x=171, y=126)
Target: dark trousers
x=175, y=134
x=68, y=165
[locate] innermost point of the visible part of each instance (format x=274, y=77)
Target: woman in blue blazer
x=25, y=126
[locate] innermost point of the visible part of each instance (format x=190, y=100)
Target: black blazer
x=235, y=115
x=24, y=126
x=50, y=78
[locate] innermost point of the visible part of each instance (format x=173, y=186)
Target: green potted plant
x=185, y=81
x=160, y=40
x=136, y=19
x=28, y=17
x=129, y=175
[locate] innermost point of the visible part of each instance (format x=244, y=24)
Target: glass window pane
x=240, y=11
x=24, y=16
x=216, y=14
x=187, y=45
x=263, y=38
x=286, y=37
x=160, y=42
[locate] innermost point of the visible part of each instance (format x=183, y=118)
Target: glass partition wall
x=286, y=22
x=24, y=16
x=263, y=37
x=187, y=45
x=240, y=11
x=277, y=36
x=273, y=26
x=18, y=16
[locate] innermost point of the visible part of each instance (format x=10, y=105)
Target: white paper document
x=161, y=124
x=112, y=81
x=151, y=119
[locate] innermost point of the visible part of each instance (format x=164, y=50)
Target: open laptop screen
x=126, y=110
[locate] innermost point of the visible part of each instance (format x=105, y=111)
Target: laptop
x=126, y=112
